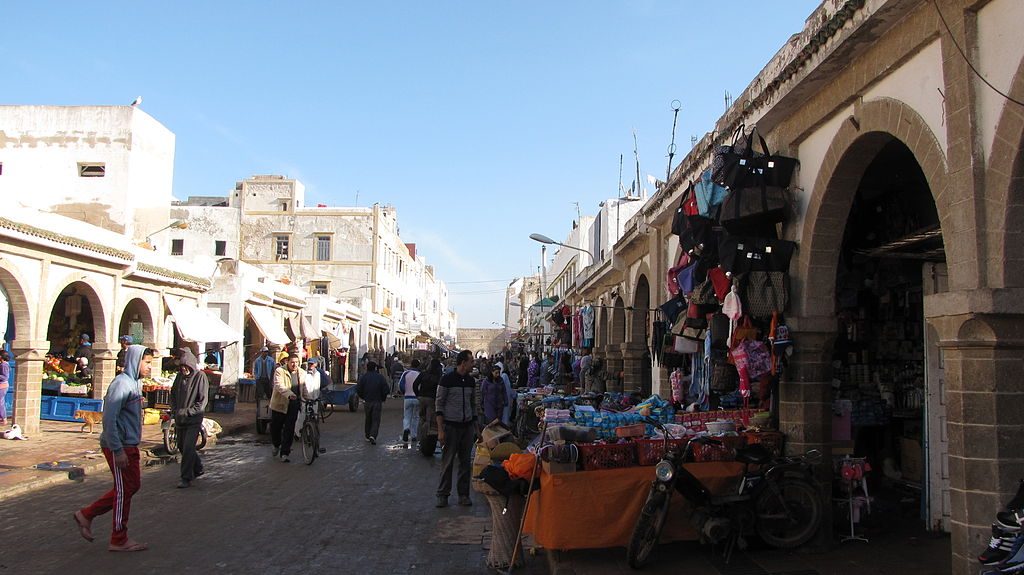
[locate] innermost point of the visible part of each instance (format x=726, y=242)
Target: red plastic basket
x=650, y=451
x=703, y=452
x=607, y=455
x=771, y=440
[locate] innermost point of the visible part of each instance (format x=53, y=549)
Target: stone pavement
x=65, y=442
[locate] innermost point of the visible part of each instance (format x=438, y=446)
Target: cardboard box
x=912, y=459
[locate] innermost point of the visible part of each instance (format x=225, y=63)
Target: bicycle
x=171, y=436
x=325, y=407
x=310, y=434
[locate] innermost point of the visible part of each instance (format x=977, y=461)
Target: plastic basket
x=650, y=451
x=703, y=452
x=607, y=455
x=771, y=440
x=159, y=398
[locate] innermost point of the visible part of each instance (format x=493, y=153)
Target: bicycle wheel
x=308, y=439
x=171, y=440
x=788, y=513
x=648, y=529
x=326, y=409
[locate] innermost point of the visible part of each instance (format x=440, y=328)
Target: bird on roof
x=136, y=102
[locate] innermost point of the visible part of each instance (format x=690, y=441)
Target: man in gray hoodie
x=122, y=430
x=188, y=401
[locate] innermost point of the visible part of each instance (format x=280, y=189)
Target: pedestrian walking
x=547, y=370
x=508, y=412
x=411, y=405
x=5, y=382
x=284, y=407
x=494, y=398
x=586, y=365
x=533, y=372
x=312, y=386
x=373, y=389
x=263, y=368
x=523, y=376
x=425, y=388
x=456, y=423
x=188, y=402
x=119, y=441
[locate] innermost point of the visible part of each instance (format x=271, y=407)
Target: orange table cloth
x=596, y=509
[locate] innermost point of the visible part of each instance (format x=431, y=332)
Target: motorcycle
x=777, y=498
x=171, y=437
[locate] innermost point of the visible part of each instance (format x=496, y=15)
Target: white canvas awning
x=195, y=324
x=268, y=325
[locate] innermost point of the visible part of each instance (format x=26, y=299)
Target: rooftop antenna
x=636, y=156
x=357, y=198
x=728, y=100
x=676, y=104
x=693, y=141
x=621, y=189
x=579, y=216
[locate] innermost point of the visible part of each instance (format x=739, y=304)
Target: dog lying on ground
x=91, y=418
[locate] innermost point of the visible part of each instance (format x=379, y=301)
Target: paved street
x=357, y=509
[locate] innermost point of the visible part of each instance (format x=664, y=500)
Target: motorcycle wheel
x=171, y=440
x=788, y=513
x=648, y=528
x=428, y=444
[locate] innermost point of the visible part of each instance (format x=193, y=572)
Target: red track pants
x=126, y=483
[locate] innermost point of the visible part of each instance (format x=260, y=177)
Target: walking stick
x=526, y=505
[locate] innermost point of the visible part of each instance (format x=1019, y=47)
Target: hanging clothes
x=660, y=330
x=587, y=314
x=577, y=330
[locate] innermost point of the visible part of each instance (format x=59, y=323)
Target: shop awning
x=199, y=325
x=332, y=340
x=268, y=325
x=307, y=329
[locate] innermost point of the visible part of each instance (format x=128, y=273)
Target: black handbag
x=760, y=204
x=719, y=326
x=741, y=254
x=672, y=308
x=703, y=294
x=724, y=377
x=741, y=166
x=765, y=292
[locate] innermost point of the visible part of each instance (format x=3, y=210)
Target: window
x=177, y=247
x=220, y=248
x=320, y=288
x=284, y=206
x=323, y=248
x=91, y=170
x=281, y=247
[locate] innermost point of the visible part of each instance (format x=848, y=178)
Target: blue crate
x=225, y=405
x=54, y=408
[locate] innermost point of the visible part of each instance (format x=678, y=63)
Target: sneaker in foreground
x=277, y=451
x=373, y=440
x=999, y=547
x=442, y=501
x=285, y=458
x=465, y=501
x=184, y=484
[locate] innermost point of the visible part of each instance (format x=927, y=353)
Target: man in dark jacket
x=188, y=401
x=373, y=389
x=456, y=424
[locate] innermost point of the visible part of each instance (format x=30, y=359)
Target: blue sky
x=482, y=122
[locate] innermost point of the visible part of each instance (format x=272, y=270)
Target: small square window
x=281, y=247
x=284, y=206
x=220, y=248
x=91, y=170
x=177, y=247
x=320, y=288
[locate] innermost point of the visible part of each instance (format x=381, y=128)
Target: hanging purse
x=673, y=309
x=741, y=254
x=765, y=293
x=719, y=282
x=724, y=377
x=704, y=294
x=685, y=345
x=742, y=166
x=685, y=278
x=671, y=279
x=755, y=205
x=707, y=194
x=725, y=157
x=744, y=330
x=719, y=326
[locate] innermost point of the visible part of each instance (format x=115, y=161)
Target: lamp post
x=176, y=224
x=546, y=240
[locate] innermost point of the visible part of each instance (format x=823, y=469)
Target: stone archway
x=635, y=350
x=80, y=295
x=26, y=388
x=137, y=321
x=1004, y=188
x=616, y=337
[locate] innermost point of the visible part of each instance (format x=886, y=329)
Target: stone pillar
x=983, y=359
x=632, y=365
x=104, y=364
x=28, y=383
x=613, y=365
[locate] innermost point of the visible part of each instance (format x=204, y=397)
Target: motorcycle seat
x=756, y=454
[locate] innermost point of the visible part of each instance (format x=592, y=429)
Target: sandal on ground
x=84, y=526
x=128, y=546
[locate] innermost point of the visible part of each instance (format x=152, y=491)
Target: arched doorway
x=16, y=321
x=640, y=327
x=888, y=254
x=137, y=322
x=616, y=337
x=76, y=311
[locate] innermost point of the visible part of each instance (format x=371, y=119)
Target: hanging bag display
x=685, y=278
x=724, y=377
x=707, y=194
x=671, y=279
x=719, y=326
x=765, y=293
x=673, y=309
x=742, y=254
x=744, y=330
x=741, y=165
x=755, y=205
x=704, y=294
x=725, y=157
x=719, y=282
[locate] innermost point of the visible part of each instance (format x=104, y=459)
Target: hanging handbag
x=707, y=194
x=671, y=279
x=685, y=345
x=704, y=294
x=700, y=236
x=673, y=308
x=724, y=377
x=724, y=158
x=755, y=205
x=765, y=292
x=741, y=254
x=719, y=326
x=759, y=359
x=685, y=278
x=742, y=166
x=744, y=330
x=719, y=282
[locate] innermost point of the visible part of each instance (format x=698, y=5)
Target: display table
x=596, y=509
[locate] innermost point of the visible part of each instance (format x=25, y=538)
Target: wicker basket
x=703, y=452
x=607, y=455
x=650, y=451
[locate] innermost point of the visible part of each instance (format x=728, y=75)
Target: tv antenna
x=728, y=100
x=676, y=104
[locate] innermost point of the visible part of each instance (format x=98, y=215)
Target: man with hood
x=188, y=401
x=122, y=430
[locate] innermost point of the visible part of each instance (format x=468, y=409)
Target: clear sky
x=481, y=122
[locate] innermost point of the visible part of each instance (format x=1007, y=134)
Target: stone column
x=612, y=366
x=28, y=383
x=632, y=365
x=983, y=359
x=104, y=363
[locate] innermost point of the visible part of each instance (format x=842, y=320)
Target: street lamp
x=176, y=224
x=356, y=288
x=546, y=240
